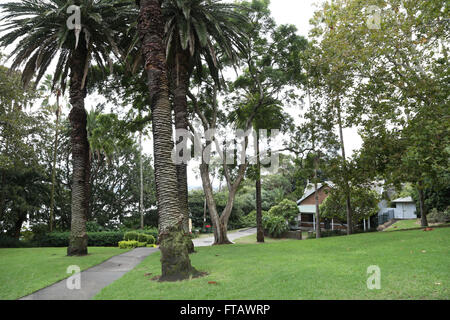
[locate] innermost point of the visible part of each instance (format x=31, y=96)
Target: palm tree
x=195, y=30
x=174, y=253
x=42, y=32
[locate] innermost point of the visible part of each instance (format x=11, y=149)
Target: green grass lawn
x=414, y=265
x=25, y=270
x=404, y=224
x=409, y=224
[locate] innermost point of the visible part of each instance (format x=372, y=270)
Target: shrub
x=53, y=239
x=275, y=225
x=95, y=239
x=9, y=242
x=147, y=238
x=128, y=244
x=287, y=209
x=104, y=239
x=131, y=235
x=151, y=239
x=151, y=246
x=436, y=216
x=249, y=220
x=327, y=233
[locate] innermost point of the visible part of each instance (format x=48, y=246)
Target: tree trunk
x=180, y=85
x=220, y=224
x=55, y=152
x=347, y=186
x=259, y=226
x=15, y=232
x=175, y=261
x=80, y=154
x=316, y=197
x=141, y=178
x=423, y=216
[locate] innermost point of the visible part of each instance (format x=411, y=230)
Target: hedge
x=9, y=242
x=95, y=239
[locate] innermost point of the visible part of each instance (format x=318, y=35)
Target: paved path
x=207, y=241
x=96, y=278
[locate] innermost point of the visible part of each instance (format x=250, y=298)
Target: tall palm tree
x=196, y=31
x=174, y=253
x=41, y=30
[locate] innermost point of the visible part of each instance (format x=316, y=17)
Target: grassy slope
x=414, y=265
x=25, y=270
x=404, y=224
x=409, y=224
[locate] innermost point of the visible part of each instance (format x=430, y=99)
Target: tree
x=44, y=29
x=271, y=66
x=23, y=184
x=175, y=260
x=196, y=30
x=57, y=110
x=364, y=203
x=397, y=85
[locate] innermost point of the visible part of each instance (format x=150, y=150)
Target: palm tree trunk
x=259, y=226
x=175, y=261
x=80, y=154
x=55, y=152
x=180, y=86
x=141, y=178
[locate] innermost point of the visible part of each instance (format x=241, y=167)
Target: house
x=405, y=208
x=307, y=208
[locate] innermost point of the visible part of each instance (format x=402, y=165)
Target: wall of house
x=405, y=211
x=312, y=201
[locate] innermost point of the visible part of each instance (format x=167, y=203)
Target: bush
x=287, y=209
x=275, y=225
x=436, y=216
x=146, y=238
x=131, y=235
x=9, y=242
x=53, y=239
x=95, y=239
x=152, y=232
x=104, y=239
x=249, y=220
x=327, y=233
x=151, y=246
x=128, y=244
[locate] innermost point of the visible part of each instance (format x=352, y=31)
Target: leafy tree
x=44, y=30
x=364, y=203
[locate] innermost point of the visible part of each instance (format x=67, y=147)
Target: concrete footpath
x=96, y=278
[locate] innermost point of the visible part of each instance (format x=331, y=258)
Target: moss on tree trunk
x=175, y=257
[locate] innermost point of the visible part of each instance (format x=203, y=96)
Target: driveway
x=207, y=241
